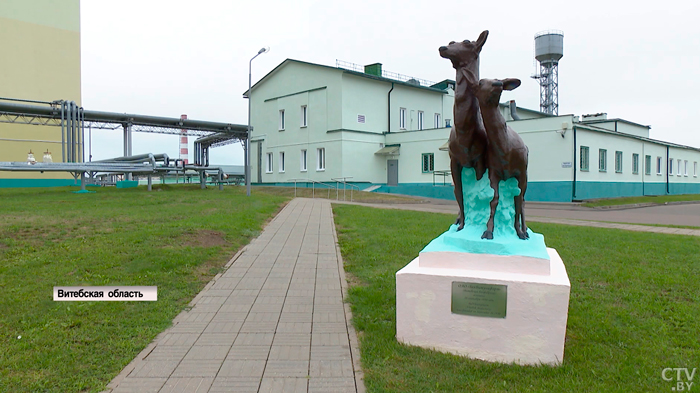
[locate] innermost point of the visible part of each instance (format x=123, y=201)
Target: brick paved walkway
x=274, y=321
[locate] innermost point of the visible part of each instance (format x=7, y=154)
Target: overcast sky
x=637, y=62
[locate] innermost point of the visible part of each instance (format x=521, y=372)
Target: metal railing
x=444, y=174
x=343, y=180
x=313, y=186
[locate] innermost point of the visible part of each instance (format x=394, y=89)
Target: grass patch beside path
x=634, y=309
x=357, y=196
x=176, y=237
x=658, y=200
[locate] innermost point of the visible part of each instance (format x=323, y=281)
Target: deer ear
x=482, y=39
x=510, y=83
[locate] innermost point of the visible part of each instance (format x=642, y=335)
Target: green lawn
x=634, y=309
x=176, y=238
x=659, y=200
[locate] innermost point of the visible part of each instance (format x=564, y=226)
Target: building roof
x=595, y=121
x=641, y=138
x=346, y=71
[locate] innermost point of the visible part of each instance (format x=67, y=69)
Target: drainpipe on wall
x=388, y=110
x=667, y=169
x=573, y=188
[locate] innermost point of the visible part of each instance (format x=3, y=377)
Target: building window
x=679, y=168
x=321, y=159
x=281, y=119
x=602, y=160
x=584, y=158
x=695, y=169
x=303, y=116
x=635, y=163
x=268, y=167
x=647, y=165
x=420, y=120
x=281, y=163
x=618, y=161
x=303, y=160
x=437, y=120
x=402, y=118
x=670, y=166
x=658, y=165
x=428, y=162
x=361, y=119
x=685, y=168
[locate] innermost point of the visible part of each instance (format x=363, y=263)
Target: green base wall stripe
x=542, y=191
x=21, y=183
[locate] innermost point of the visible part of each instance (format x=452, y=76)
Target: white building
x=321, y=123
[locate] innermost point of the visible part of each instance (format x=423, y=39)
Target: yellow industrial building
x=40, y=62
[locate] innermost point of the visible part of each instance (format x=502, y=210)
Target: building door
x=260, y=154
x=392, y=176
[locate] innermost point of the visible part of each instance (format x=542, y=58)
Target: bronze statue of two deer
x=480, y=137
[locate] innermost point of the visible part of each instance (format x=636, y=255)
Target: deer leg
x=488, y=233
x=519, y=211
x=456, y=169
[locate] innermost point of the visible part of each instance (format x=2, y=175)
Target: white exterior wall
x=611, y=143
x=413, y=145
x=684, y=155
x=549, y=152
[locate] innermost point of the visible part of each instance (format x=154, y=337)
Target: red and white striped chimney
x=184, y=156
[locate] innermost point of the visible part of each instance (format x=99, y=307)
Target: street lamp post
x=247, y=142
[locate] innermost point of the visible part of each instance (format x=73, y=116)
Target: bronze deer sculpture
x=507, y=153
x=468, y=140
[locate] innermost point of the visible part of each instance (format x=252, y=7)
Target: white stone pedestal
x=533, y=330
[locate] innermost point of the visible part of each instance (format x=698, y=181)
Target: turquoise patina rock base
x=477, y=197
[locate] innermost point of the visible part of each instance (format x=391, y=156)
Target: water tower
x=549, y=48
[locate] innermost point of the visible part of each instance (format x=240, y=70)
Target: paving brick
x=222, y=316
x=263, y=317
x=259, y=327
x=329, y=317
x=140, y=385
x=235, y=384
x=168, y=352
x=211, y=300
x=329, y=308
x=326, y=339
x=330, y=352
x=236, y=308
x=224, y=327
x=300, y=293
x=266, y=308
x=194, y=317
x=283, y=385
x=241, y=296
x=297, y=308
x=294, y=327
x=331, y=368
x=297, y=317
x=197, y=368
x=204, y=308
x=290, y=352
x=187, y=385
x=218, y=292
x=254, y=338
x=242, y=368
x=301, y=339
x=189, y=327
x=335, y=385
x=208, y=352
x=225, y=339
x=303, y=300
x=226, y=283
x=287, y=368
x=178, y=339
x=154, y=368
x=241, y=352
